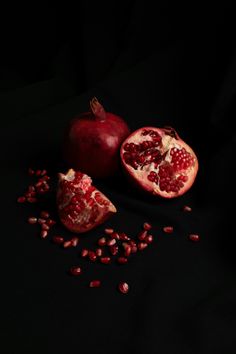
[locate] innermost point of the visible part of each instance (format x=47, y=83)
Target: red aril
x=93, y=140
x=159, y=162
x=81, y=206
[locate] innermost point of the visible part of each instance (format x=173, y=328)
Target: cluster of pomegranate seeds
x=41, y=186
x=44, y=221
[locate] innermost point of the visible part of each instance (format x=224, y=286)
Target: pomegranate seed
x=105, y=260
x=147, y=226
x=142, y=245
x=142, y=235
x=149, y=239
x=21, y=199
x=95, y=284
x=44, y=214
x=38, y=172
x=168, y=229
x=109, y=231
x=99, y=252
x=28, y=194
x=134, y=249
x=43, y=172
x=50, y=222
x=30, y=172
x=45, y=227
x=43, y=234
x=114, y=250
x=115, y=235
x=39, y=184
x=32, y=200
x=123, y=287
x=122, y=260
x=32, y=220
x=102, y=241
x=31, y=189
x=75, y=270
x=41, y=221
x=111, y=242
x=127, y=249
x=67, y=244
x=84, y=252
x=92, y=256
x=187, y=208
x=194, y=237
x=74, y=241
x=124, y=237
x=58, y=240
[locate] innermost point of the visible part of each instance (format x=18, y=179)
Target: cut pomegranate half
x=81, y=206
x=159, y=162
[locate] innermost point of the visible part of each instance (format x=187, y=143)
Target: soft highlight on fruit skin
x=158, y=161
x=93, y=140
x=81, y=206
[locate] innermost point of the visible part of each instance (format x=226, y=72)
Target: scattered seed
x=92, y=256
x=187, y=208
x=168, y=229
x=109, y=231
x=32, y=220
x=142, y=235
x=111, y=242
x=102, y=241
x=41, y=221
x=38, y=172
x=43, y=172
x=75, y=270
x=44, y=214
x=21, y=199
x=115, y=235
x=134, y=249
x=149, y=239
x=147, y=226
x=127, y=249
x=122, y=260
x=194, y=237
x=50, y=222
x=114, y=250
x=142, y=245
x=123, y=287
x=45, y=227
x=74, y=241
x=124, y=237
x=43, y=234
x=67, y=244
x=84, y=252
x=58, y=240
x=105, y=260
x=32, y=200
x=99, y=252
x=95, y=284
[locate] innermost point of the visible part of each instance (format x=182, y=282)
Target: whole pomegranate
x=81, y=206
x=159, y=162
x=93, y=140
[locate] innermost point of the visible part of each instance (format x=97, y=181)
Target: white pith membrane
x=96, y=206
x=168, y=142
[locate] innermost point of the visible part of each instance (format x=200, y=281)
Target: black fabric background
x=153, y=65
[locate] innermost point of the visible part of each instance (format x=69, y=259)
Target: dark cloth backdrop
x=154, y=64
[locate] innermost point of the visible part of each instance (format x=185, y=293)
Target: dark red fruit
x=93, y=139
x=81, y=206
x=159, y=162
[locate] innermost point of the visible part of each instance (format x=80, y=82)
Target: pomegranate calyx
x=97, y=109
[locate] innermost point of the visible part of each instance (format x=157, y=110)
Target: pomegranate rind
x=139, y=177
x=93, y=207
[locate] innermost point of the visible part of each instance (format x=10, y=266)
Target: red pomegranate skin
x=93, y=140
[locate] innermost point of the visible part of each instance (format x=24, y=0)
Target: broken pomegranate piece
x=159, y=162
x=81, y=206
